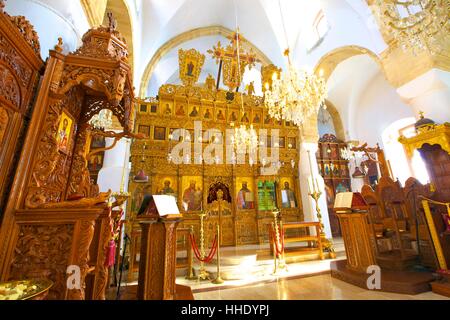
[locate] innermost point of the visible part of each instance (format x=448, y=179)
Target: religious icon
x=159, y=133
x=220, y=115
x=180, y=110
x=144, y=129
x=167, y=109
x=154, y=108
x=330, y=194
x=138, y=197
x=257, y=118
x=341, y=188
x=190, y=69
x=233, y=116
x=192, y=194
x=190, y=65
x=168, y=187
x=288, y=199
x=245, y=198
x=207, y=114
x=194, y=112
x=244, y=117
x=282, y=142
x=64, y=132
x=97, y=142
x=327, y=169
x=268, y=119
x=143, y=108
x=95, y=163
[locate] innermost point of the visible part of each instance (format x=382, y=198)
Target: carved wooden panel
x=43, y=251
x=19, y=66
x=246, y=228
x=4, y=120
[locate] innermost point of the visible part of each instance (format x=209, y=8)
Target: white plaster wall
x=53, y=19
x=429, y=93
x=378, y=107
x=115, y=166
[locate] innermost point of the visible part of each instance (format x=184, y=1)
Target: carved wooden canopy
x=101, y=66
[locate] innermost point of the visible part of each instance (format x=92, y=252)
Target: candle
x=317, y=185
x=310, y=188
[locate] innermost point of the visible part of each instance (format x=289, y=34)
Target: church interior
x=224, y=150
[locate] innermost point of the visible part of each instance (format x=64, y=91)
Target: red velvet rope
x=211, y=254
x=278, y=251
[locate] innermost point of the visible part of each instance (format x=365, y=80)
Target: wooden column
x=157, y=265
x=356, y=234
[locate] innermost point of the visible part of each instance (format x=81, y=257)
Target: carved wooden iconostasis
x=20, y=66
x=55, y=217
x=250, y=195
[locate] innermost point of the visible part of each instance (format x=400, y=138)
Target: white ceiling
x=259, y=21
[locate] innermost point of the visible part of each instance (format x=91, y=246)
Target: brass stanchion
x=279, y=260
x=327, y=243
x=190, y=273
x=275, y=266
x=203, y=274
x=218, y=279
x=315, y=193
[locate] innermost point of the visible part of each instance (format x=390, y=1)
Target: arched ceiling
x=259, y=22
x=163, y=67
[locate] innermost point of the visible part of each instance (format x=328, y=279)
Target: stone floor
x=322, y=287
x=250, y=277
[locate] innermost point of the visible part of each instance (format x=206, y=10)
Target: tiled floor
x=322, y=287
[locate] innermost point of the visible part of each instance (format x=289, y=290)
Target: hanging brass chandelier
x=415, y=25
x=294, y=95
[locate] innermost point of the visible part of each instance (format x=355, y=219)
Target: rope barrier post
x=274, y=250
x=203, y=274
x=218, y=279
x=190, y=271
x=283, y=257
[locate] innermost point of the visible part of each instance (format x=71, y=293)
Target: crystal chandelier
x=294, y=95
x=415, y=24
x=245, y=139
x=102, y=120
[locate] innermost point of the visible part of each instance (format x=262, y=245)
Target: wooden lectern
x=352, y=212
x=157, y=267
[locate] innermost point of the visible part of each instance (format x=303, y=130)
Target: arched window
x=396, y=155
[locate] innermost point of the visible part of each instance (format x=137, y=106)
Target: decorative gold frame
x=190, y=63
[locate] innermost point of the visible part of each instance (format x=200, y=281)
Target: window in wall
x=402, y=169
x=318, y=31
x=406, y=9
x=418, y=168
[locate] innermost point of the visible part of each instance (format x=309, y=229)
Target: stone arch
x=184, y=37
x=328, y=63
x=337, y=121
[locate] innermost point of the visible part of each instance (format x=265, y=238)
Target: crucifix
x=233, y=60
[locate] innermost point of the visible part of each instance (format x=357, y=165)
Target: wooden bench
x=318, y=248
